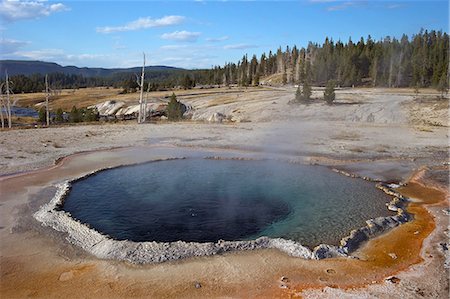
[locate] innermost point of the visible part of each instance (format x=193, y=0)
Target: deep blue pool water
x=206, y=200
x=21, y=111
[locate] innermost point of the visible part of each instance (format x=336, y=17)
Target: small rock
x=420, y=292
x=283, y=286
x=198, y=285
x=331, y=271
x=393, y=279
x=393, y=255
x=284, y=279
x=416, y=232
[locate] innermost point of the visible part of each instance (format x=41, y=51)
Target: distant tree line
x=127, y=81
x=36, y=82
x=420, y=61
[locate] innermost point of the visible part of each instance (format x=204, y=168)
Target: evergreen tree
x=443, y=85
x=329, y=95
x=90, y=115
x=187, y=82
x=284, y=78
x=75, y=115
x=174, y=109
x=256, y=78
x=298, y=94
x=59, y=116
x=42, y=115
x=307, y=91
x=416, y=89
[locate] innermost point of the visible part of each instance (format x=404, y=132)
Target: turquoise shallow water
x=206, y=200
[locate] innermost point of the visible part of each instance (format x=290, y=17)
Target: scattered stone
x=283, y=286
x=416, y=232
x=420, y=292
x=284, y=279
x=393, y=279
x=331, y=271
x=216, y=117
x=444, y=246
x=392, y=207
x=393, y=255
x=323, y=251
x=198, y=285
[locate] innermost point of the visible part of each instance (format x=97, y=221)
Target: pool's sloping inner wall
x=103, y=246
x=202, y=200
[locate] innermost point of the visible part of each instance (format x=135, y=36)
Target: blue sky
x=196, y=34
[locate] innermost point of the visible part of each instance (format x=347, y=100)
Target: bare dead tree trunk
x=141, y=117
x=47, y=114
x=1, y=106
x=391, y=67
x=399, y=73
x=8, y=101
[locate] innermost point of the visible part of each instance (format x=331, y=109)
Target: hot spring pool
x=202, y=200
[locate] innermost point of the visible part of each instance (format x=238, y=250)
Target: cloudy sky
x=196, y=34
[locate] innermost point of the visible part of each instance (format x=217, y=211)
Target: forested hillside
x=419, y=61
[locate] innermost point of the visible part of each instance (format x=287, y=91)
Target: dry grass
x=85, y=97
x=223, y=101
x=67, y=98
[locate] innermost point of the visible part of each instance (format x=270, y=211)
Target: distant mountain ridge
x=30, y=67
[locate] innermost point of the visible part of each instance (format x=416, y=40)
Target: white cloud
x=183, y=36
x=143, y=23
x=335, y=5
x=342, y=6
x=394, y=6
x=218, y=39
x=61, y=57
x=9, y=46
x=239, y=46
x=188, y=62
x=15, y=10
x=174, y=47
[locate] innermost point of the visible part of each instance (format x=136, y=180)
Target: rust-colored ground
x=35, y=265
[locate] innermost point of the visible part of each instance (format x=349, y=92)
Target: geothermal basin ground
x=388, y=135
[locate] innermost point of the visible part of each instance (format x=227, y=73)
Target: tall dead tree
x=47, y=113
x=142, y=110
x=8, y=101
x=2, y=106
